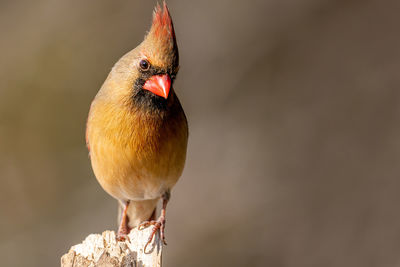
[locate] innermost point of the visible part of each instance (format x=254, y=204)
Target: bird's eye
x=144, y=64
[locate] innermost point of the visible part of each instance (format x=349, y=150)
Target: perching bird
x=137, y=130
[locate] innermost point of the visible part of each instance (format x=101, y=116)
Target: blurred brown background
x=294, y=129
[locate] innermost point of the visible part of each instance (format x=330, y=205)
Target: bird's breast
x=136, y=155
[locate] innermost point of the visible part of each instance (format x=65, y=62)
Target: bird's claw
x=122, y=233
x=145, y=224
x=121, y=237
x=158, y=225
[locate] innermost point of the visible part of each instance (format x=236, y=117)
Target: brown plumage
x=137, y=130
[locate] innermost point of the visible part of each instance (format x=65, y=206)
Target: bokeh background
x=294, y=147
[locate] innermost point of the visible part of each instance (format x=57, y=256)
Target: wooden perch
x=105, y=251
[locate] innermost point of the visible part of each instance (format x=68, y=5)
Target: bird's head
x=154, y=64
x=144, y=76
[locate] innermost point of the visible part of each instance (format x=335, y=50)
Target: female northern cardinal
x=137, y=131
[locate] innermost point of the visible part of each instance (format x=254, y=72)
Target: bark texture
x=105, y=251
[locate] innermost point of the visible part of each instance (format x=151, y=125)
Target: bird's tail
x=139, y=211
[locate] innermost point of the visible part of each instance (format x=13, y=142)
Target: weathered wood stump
x=105, y=251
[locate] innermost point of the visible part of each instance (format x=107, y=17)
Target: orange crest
x=161, y=42
x=162, y=23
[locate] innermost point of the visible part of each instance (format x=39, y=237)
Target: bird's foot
x=123, y=233
x=121, y=237
x=157, y=225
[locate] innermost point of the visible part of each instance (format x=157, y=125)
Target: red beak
x=159, y=85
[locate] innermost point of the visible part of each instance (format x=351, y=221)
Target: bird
x=137, y=131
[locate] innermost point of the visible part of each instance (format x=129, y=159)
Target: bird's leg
x=153, y=215
x=160, y=223
x=123, y=229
